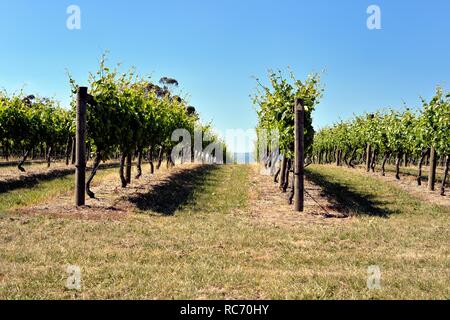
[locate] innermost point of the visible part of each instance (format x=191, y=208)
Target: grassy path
x=23, y=197
x=212, y=247
x=366, y=195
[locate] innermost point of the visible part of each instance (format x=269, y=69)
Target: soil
x=111, y=200
x=269, y=205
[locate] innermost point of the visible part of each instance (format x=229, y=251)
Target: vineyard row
x=408, y=136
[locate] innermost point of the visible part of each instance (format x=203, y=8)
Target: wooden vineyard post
x=368, y=157
x=128, y=169
x=299, y=197
x=432, y=173
x=369, y=151
x=80, y=163
x=284, y=163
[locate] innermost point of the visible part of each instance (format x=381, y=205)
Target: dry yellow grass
x=220, y=242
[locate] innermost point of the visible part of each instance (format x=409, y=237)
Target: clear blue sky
x=215, y=47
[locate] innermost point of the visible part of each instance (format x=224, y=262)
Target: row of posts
x=433, y=163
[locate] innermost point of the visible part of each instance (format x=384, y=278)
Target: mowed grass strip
x=44, y=190
x=363, y=195
x=212, y=248
x=30, y=196
x=134, y=258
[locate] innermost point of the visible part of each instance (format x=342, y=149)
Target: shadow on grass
x=165, y=198
x=346, y=200
x=32, y=180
